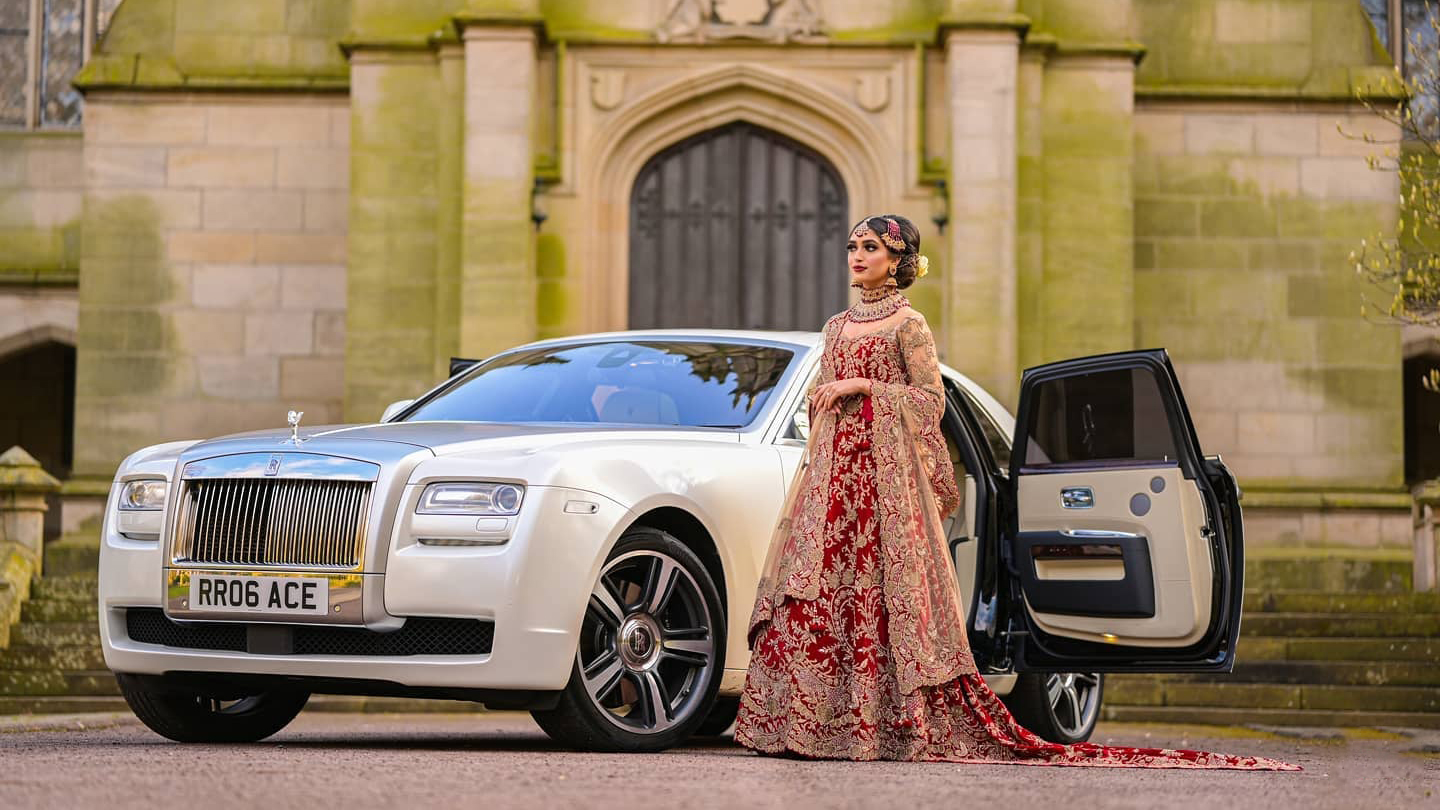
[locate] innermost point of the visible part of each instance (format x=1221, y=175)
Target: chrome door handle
x=1077, y=497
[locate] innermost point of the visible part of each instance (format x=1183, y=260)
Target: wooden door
x=737, y=227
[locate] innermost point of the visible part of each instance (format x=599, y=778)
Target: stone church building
x=314, y=204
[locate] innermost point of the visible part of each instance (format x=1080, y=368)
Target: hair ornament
x=892, y=237
x=922, y=266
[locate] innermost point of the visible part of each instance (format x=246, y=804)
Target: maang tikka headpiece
x=891, y=237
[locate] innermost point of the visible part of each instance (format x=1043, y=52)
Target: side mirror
x=394, y=408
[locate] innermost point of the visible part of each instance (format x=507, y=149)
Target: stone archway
x=38, y=409
x=736, y=227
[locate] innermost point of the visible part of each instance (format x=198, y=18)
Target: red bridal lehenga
x=858, y=638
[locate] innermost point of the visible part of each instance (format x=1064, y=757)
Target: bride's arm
x=923, y=397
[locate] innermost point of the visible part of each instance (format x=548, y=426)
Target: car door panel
x=1118, y=545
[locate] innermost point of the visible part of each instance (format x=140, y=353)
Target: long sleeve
x=923, y=398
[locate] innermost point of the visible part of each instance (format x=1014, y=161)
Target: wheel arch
x=688, y=529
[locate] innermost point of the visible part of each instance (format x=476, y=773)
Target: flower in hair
x=922, y=266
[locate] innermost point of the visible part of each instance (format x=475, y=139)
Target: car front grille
x=272, y=522
x=418, y=636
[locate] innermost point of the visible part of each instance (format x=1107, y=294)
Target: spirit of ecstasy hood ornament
x=294, y=419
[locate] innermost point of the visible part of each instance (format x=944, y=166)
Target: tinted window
x=998, y=441
x=642, y=382
x=1107, y=415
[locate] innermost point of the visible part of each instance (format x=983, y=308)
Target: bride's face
x=870, y=260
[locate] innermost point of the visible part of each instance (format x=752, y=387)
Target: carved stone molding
x=762, y=20
x=607, y=88
x=872, y=91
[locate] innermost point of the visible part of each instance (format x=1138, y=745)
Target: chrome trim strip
x=291, y=465
x=1100, y=534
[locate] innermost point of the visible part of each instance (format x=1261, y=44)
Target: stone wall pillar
x=1086, y=300
x=390, y=288
x=497, y=274
x=23, y=487
x=980, y=286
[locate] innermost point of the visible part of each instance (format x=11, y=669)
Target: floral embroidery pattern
x=858, y=634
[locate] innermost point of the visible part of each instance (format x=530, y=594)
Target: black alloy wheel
x=652, y=648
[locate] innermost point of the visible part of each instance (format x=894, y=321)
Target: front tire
x=187, y=715
x=1061, y=707
x=652, y=647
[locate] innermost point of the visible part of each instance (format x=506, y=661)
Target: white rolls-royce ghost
x=575, y=528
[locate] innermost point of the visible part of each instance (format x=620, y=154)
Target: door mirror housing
x=395, y=407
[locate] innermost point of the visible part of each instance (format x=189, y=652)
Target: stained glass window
x=14, y=34
x=1421, y=62
x=1379, y=13
x=61, y=54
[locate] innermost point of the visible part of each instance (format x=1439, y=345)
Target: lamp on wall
x=538, y=214
x=940, y=206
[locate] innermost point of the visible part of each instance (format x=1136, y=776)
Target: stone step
x=35, y=682
x=1139, y=690
x=62, y=704
x=1332, y=625
x=73, y=554
x=1336, y=571
x=1208, y=715
x=28, y=657
x=1326, y=602
x=60, y=610
x=77, y=588
x=1270, y=648
x=1340, y=673
x=56, y=634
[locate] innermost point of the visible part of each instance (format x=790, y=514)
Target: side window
x=1109, y=415
x=997, y=439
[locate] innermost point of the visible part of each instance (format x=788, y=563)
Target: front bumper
x=533, y=588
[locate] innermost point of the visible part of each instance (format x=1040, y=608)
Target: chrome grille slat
x=272, y=522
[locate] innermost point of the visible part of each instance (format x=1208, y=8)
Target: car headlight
x=471, y=498
x=146, y=495
x=142, y=505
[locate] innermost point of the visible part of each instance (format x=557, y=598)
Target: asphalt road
x=349, y=761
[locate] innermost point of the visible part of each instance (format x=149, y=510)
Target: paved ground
x=502, y=760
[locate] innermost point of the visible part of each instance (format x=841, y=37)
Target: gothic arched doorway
x=737, y=227
x=38, y=411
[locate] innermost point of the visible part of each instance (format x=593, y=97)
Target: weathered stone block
x=1345, y=136
x=1292, y=134
x=147, y=123
x=239, y=377
x=1261, y=22
x=236, y=286
x=210, y=246
x=312, y=287
x=226, y=210
x=279, y=333
x=208, y=333
x=1276, y=433
x=1207, y=134
x=326, y=210
x=1200, y=254
x=174, y=209
x=1159, y=217
x=227, y=167
x=323, y=167
x=330, y=333
x=58, y=165
x=266, y=124
x=313, y=378
x=1237, y=217
x=40, y=208
x=1265, y=176
x=300, y=248
x=1347, y=179
x=1159, y=133
x=124, y=166
x=253, y=16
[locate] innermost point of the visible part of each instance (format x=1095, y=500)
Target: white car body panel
x=534, y=576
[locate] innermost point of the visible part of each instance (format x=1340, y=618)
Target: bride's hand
x=827, y=397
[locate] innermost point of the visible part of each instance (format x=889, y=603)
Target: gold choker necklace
x=877, y=305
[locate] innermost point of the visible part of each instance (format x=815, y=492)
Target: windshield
x=696, y=384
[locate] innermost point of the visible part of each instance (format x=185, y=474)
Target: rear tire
x=652, y=648
x=188, y=715
x=721, y=718
x=1061, y=707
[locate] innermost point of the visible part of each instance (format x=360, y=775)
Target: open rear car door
x=1126, y=544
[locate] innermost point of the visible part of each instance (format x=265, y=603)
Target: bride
x=859, y=647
